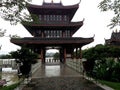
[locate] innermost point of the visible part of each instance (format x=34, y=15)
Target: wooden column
x=76, y=53
x=80, y=53
x=61, y=53
x=64, y=55
x=63, y=33
x=72, y=54
x=42, y=34
x=44, y=51
x=42, y=55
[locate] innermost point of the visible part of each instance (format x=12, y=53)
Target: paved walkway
x=60, y=77
x=56, y=70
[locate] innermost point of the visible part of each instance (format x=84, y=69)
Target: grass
x=114, y=85
x=11, y=87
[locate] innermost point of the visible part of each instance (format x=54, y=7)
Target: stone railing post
x=76, y=64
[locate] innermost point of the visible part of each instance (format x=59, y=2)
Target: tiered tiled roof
x=75, y=41
x=53, y=8
x=114, y=40
x=58, y=9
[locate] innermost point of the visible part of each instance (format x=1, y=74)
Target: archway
x=52, y=55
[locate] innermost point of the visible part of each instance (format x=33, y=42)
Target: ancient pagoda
x=52, y=28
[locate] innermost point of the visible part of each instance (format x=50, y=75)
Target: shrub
x=107, y=69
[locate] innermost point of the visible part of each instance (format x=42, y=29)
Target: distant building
x=114, y=40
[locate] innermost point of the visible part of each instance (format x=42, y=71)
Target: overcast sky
x=95, y=23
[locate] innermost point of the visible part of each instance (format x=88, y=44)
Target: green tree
x=5, y=56
x=56, y=56
x=95, y=53
x=89, y=55
x=107, y=69
x=14, y=10
x=25, y=57
x=99, y=52
x=111, y=5
x=116, y=73
x=114, y=51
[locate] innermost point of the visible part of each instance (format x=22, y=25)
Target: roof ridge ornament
x=83, y=19
x=52, y=1
x=79, y=2
x=60, y=1
x=43, y=1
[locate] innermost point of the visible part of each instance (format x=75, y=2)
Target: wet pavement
x=59, y=77
x=50, y=70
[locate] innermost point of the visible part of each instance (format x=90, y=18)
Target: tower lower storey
x=69, y=48
x=64, y=53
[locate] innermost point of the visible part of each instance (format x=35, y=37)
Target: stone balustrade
x=36, y=66
x=8, y=63
x=51, y=60
x=75, y=64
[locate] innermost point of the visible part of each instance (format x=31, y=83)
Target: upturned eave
x=77, y=41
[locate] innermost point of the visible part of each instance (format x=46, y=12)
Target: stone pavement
x=60, y=77
x=56, y=70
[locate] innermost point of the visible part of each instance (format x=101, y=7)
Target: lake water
x=10, y=75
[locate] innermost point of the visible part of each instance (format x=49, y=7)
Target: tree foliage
x=14, y=10
x=2, y=32
x=95, y=53
x=99, y=52
x=56, y=56
x=111, y=5
x=25, y=57
x=107, y=69
x=103, y=62
x=5, y=56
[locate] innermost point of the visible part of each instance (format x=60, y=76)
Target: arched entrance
x=52, y=56
x=61, y=52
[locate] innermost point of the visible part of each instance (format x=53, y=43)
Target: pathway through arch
x=60, y=77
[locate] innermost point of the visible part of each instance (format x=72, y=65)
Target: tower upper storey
x=57, y=11
x=52, y=20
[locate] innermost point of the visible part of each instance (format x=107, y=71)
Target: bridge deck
x=54, y=70
x=59, y=77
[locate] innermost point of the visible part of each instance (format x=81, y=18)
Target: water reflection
x=52, y=70
x=11, y=78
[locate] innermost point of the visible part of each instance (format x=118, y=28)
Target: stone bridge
x=59, y=77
